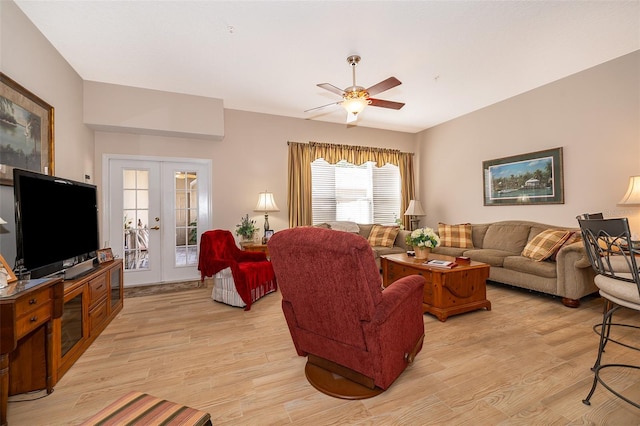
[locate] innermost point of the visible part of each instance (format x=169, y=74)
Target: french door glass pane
x=135, y=202
x=186, y=214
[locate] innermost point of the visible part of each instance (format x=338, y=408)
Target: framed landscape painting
x=533, y=178
x=26, y=131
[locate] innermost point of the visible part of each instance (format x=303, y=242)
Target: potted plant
x=423, y=240
x=246, y=229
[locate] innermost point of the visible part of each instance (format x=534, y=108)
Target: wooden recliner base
x=338, y=381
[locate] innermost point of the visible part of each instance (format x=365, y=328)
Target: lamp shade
x=2, y=221
x=632, y=196
x=266, y=203
x=414, y=209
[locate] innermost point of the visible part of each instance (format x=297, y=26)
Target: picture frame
x=268, y=234
x=26, y=131
x=526, y=179
x=12, y=276
x=104, y=255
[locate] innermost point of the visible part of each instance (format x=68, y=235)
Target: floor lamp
x=266, y=204
x=414, y=211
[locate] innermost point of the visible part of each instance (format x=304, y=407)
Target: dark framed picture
x=105, y=255
x=26, y=131
x=533, y=178
x=268, y=234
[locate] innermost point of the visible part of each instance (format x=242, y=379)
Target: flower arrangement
x=423, y=237
x=246, y=228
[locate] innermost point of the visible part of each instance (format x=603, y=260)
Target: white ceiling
x=453, y=57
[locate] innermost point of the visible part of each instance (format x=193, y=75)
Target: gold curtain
x=301, y=155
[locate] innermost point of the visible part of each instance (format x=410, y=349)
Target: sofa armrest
x=401, y=239
x=575, y=274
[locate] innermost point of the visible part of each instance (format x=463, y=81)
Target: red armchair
x=337, y=312
x=252, y=273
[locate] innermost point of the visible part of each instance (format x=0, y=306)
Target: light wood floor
x=525, y=362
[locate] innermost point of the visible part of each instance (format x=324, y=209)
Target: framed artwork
x=11, y=277
x=533, y=178
x=26, y=131
x=104, y=255
x=268, y=234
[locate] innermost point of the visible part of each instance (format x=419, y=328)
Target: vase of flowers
x=423, y=240
x=246, y=229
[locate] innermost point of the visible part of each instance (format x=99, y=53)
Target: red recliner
x=335, y=307
x=252, y=272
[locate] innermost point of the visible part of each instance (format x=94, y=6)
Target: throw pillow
x=455, y=235
x=545, y=244
x=573, y=238
x=383, y=236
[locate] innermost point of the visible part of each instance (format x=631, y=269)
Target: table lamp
x=266, y=204
x=414, y=210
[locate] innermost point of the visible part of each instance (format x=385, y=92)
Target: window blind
x=362, y=194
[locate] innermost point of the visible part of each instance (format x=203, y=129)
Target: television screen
x=56, y=221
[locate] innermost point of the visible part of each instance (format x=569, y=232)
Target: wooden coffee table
x=447, y=291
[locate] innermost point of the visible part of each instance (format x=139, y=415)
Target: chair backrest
x=592, y=216
x=329, y=278
x=220, y=244
x=610, y=248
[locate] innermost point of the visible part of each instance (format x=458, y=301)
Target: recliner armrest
x=394, y=296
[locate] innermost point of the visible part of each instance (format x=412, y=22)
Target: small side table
x=262, y=248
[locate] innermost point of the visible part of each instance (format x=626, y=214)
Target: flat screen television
x=56, y=222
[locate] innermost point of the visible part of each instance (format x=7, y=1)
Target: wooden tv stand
x=47, y=324
x=91, y=302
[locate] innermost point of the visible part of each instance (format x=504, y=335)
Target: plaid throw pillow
x=455, y=235
x=383, y=236
x=545, y=244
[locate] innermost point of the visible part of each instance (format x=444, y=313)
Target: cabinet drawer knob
x=33, y=318
x=33, y=301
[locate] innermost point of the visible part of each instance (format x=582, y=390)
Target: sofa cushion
x=530, y=266
x=455, y=235
x=449, y=251
x=575, y=237
x=507, y=237
x=365, y=229
x=490, y=256
x=383, y=236
x=545, y=244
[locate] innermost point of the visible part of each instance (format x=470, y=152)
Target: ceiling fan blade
x=331, y=88
x=324, y=106
x=386, y=104
x=383, y=85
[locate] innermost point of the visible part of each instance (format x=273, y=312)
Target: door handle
x=155, y=227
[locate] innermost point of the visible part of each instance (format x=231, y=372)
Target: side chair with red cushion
x=337, y=312
x=250, y=273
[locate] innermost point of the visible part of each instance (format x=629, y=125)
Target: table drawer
x=33, y=302
x=395, y=272
x=97, y=316
x=34, y=319
x=97, y=288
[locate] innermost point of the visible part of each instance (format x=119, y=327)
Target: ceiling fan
x=356, y=98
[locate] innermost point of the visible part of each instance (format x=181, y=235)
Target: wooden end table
x=446, y=291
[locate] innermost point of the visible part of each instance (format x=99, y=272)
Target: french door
x=156, y=211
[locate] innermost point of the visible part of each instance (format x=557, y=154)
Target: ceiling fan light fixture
x=354, y=105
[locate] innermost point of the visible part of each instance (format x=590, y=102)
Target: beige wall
x=593, y=115
x=29, y=59
x=251, y=158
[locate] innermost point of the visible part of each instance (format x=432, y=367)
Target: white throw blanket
x=344, y=226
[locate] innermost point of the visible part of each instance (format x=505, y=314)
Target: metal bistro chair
x=613, y=256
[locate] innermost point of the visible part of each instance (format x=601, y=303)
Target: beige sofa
x=399, y=245
x=500, y=244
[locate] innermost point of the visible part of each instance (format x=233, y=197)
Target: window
x=362, y=194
